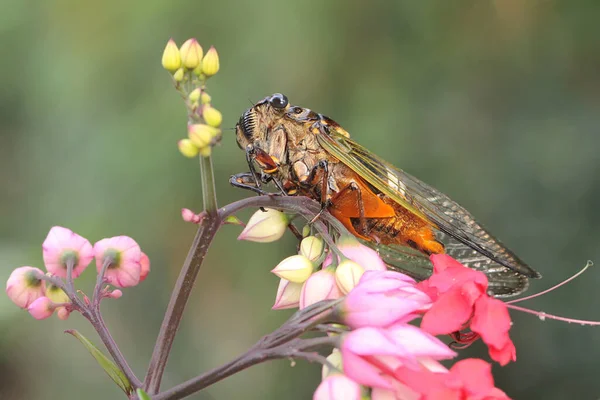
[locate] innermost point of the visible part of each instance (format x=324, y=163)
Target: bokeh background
x=496, y=103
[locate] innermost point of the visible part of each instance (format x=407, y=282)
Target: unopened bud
x=205, y=151
x=347, y=275
x=320, y=286
x=195, y=95
x=62, y=313
x=56, y=294
x=212, y=116
x=171, y=58
x=294, y=269
x=187, y=148
x=306, y=231
x=265, y=226
x=311, y=247
x=335, y=360
x=191, y=53
x=205, y=98
x=179, y=75
x=210, y=62
x=288, y=295
x=41, y=308
x=200, y=134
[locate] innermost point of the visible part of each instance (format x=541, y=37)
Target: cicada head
x=259, y=120
x=285, y=132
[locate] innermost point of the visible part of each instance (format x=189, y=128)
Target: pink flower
x=144, y=267
x=23, y=287
x=122, y=256
x=460, y=297
x=41, y=308
x=288, y=295
x=319, y=286
x=338, y=387
x=61, y=247
x=492, y=322
x=383, y=298
x=359, y=253
x=371, y=356
x=467, y=379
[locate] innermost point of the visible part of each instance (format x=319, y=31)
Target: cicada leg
x=246, y=180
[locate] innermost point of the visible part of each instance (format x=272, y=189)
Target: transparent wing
x=457, y=229
x=503, y=282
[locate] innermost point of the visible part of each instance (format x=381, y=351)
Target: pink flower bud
x=63, y=246
x=41, y=308
x=265, y=226
x=288, y=295
x=115, y=294
x=294, y=269
x=189, y=216
x=62, y=313
x=359, y=253
x=23, y=287
x=347, y=275
x=145, y=266
x=320, y=286
x=337, y=387
x=122, y=256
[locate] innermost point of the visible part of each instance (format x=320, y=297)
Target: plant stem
x=209, y=193
x=206, y=232
x=178, y=301
x=97, y=322
x=283, y=343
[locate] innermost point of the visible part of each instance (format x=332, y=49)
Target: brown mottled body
x=308, y=154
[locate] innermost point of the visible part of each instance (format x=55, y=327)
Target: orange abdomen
x=382, y=221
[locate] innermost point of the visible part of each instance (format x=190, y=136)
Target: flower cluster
x=396, y=360
x=190, y=68
x=380, y=353
x=311, y=275
x=119, y=262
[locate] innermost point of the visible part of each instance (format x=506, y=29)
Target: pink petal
x=420, y=343
x=338, y=387
x=505, y=354
x=144, y=266
x=361, y=371
x=491, y=321
x=448, y=314
x=475, y=375
x=371, y=342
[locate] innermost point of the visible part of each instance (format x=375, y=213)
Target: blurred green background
x=496, y=103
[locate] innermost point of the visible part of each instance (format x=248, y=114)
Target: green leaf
x=107, y=365
x=232, y=220
x=143, y=395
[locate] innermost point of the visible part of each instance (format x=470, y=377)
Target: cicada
x=308, y=154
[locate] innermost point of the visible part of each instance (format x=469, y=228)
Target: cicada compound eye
x=278, y=101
